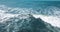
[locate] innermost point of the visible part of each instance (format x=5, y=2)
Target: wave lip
x=53, y=20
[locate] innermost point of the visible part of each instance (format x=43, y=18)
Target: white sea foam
x=9, y=12
x=55, y=21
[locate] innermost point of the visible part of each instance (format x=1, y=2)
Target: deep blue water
x=29, y=4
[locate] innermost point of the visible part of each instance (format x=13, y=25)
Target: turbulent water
x=29, y=16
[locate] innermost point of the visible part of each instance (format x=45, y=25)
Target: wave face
x=27, y=24
x=24, y=19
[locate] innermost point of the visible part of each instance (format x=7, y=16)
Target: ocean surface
x=29, y=16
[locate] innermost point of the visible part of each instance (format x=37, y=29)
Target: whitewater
x=9, y=12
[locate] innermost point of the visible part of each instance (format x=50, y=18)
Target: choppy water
x=13, y=11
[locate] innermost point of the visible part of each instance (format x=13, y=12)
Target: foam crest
x=7, y=13
x=54, y=21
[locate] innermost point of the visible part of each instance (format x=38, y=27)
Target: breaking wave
x=13, y=19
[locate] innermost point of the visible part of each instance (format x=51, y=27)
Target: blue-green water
x=29, y=4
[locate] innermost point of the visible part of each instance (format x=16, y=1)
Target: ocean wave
x=29, y=19
x=10, y=12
